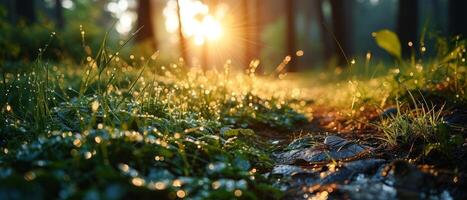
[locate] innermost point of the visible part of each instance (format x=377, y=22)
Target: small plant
x=423, y=125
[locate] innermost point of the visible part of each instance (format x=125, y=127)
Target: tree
x=146, y=23
x=24, y=10
x=259, y=23
x=407, y=24
x=182, y=41
x=327, y=48
x=457, y=17
x=341, y=24
x=59, y=14
x=258, y=31
x=290, y=29
x=246, y=31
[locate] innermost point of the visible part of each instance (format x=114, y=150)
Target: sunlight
x=126, y=17
x=197, y=21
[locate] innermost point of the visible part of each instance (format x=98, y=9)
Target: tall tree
x=290, y=32
x=341, y=24
x=257, y=32
x=59, y=14
x=246, y=32
x=259, y=22
x=182, y=41
x=25, y=10
x=324, y=34
x=407, y=24
x=457, y=17
x=146, y=23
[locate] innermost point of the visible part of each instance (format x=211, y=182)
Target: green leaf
x=388, y=41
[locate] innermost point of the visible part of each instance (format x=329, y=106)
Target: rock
x=457, y=117
x=335, y=148
x=365, y=187
x=301, y=143
x=389, y=112
x=287, y=170
x=348, y=170
x=360, y=178
x=408, y=177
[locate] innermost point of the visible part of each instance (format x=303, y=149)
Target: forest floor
x=322, y=160
x=200, y=135
x=117, y=128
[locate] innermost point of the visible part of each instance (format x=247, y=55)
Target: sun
x=199, y=24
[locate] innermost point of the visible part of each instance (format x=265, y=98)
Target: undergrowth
x=112, y=130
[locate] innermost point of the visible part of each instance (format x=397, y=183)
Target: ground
x=111, y=128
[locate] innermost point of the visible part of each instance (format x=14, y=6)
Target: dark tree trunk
x=25, y=10
x=324, y=34
x=11, y=8
x=182, y=42
x=59, y=14
x=407, y=25
x=258, y=26
x=290, y=29
x=145, y=22
x=341, y=24
x=458, y=17
x=246, y=32
x=310, y=16
x=258, y=31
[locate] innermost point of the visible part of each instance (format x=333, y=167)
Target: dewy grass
x=112, y=129
x=120, y=131
x=422, y=123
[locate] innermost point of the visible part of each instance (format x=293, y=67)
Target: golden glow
x=121, y=10
x=300, y=53
x=198, y=22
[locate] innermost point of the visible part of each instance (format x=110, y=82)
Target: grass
x=420, y=123
x=113, y=129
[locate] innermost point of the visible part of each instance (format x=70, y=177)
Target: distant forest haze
x=307, y=33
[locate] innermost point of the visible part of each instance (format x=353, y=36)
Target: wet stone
x=401, y=180
x=389, y=112
x=308, y=169
x=287, y=170
x=334, y=148
x=348, y=170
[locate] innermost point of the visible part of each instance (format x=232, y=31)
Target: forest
x=233, y=99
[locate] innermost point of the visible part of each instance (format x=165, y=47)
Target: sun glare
x=198, y=22
x=122, y=10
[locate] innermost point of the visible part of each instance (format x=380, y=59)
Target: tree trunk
x=290, y=29
x=59, y=14
x=183, y=49
x=145, y=23
x=258, y=31
x=246, y=32
x=324, y=34
x=407, y=25
x=25, y=10
x=341, y=24
x=457, y=17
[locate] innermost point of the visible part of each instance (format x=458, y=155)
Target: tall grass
x=108, y=127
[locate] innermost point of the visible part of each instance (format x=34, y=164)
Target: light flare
x=198, y=22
